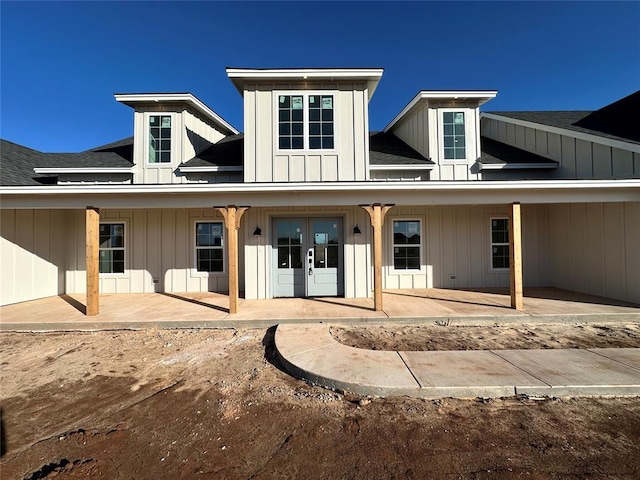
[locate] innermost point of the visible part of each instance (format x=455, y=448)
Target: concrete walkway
x=308, y=351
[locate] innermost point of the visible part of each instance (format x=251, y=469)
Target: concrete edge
x=480, y=320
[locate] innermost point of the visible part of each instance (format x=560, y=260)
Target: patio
x=210, y=310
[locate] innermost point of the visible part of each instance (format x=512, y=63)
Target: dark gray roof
x=498, y=153
x=17, y=162
x=387, y=149
x=228, y=152
x=616, y=121
x=16, y=165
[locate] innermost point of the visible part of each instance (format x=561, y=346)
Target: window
x=209, y=247
x=499, y=243
x=406, y=244
x=159, y=139
x=309, y=127
x=454, y=139
x=289, y=244
x=111, y=250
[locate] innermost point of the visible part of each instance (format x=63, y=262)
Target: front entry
x=307, y=257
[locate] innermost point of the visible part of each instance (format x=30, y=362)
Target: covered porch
x=210, y=310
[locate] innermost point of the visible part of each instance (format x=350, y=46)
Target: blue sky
x=62, y=62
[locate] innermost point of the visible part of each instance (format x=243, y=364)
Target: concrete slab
x=573, y=372
x=628, y=356
x=292, y=340
x=367, y=372
x=466, y=374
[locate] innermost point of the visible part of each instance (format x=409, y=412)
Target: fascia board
x=517, y=166
x=301, y=187
x=609, y=142
x=237, y=168
x=402, y=167
x=53, y=170
x=239, y=76
x=131, y=99
x=481, y=95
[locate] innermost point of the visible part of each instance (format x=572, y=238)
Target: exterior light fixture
x=257, y=232
x=356, y=230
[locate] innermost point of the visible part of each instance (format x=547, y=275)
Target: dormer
x=169, y=129
x=306, y=124
x=444, y=126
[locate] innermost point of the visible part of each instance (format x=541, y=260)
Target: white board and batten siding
x=577, y=158
x=264, y=162
x=32, y=264
x=190, y=135
x=456, y=247
x=159, y=253
x=595, y=249
x=422, y=130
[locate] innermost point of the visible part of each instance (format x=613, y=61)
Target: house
x=308, y=202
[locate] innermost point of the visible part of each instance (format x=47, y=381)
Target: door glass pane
x=296, y=257
x=332, y=256
x=283, y=257
x=319, y=256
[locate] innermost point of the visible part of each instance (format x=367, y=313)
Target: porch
x=210, y=310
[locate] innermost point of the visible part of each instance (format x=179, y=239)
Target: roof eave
x=133, y=99
x=240, y=76
x=482, y=96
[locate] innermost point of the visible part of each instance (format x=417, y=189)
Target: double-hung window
x=453, y=135
x=111, y=249
x=160, y=139
x=209, y=247
x=406, y=244
x=305, y=122
x=499, y=243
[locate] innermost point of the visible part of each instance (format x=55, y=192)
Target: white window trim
x=115, y=221
x=423, y=266
x=467, y=114
x=491, y=244
x=194, y=256
x=305, y=119
x=174, y=152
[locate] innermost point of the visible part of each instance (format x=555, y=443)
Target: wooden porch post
x=232, y=216
x=92, y=245
x=515, y=255
x=377, y=212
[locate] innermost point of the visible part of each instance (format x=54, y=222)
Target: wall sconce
x=257, y=232
x=356, y=230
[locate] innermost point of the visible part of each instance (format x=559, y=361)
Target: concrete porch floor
x=209, y=310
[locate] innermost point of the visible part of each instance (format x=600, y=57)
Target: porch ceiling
x=320, y=194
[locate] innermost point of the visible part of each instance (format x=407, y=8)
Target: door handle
x=310, y=271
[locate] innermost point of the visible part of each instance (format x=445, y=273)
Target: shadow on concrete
x=196, y=302
x=451, y=300
x=74, y=303
x=338, y=304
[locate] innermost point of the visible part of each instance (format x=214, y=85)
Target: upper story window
x=305, y=122
x=160, y=139
x=453, y=135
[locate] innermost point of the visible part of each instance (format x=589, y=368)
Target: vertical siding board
x=8, y=263
x=462, y=260
x=577, y=232
x=568, y=164
x=584, y=159
x=602, y=161
x=167, y=249
x=632, y=252
x=594, y=243
x=614, y=248
x=621, y=163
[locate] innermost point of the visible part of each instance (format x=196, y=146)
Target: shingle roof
x=16, y=165
x=612, y=121
x=227, y=152
x=387, y=149
x=17, y=162
x=498, y=153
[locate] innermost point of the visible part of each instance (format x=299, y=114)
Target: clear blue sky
x=62, y=62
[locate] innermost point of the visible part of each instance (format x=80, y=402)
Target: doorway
x=308, y=257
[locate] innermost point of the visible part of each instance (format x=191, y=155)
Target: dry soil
x=185, y=404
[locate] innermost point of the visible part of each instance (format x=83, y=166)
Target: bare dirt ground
x=185, y=404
